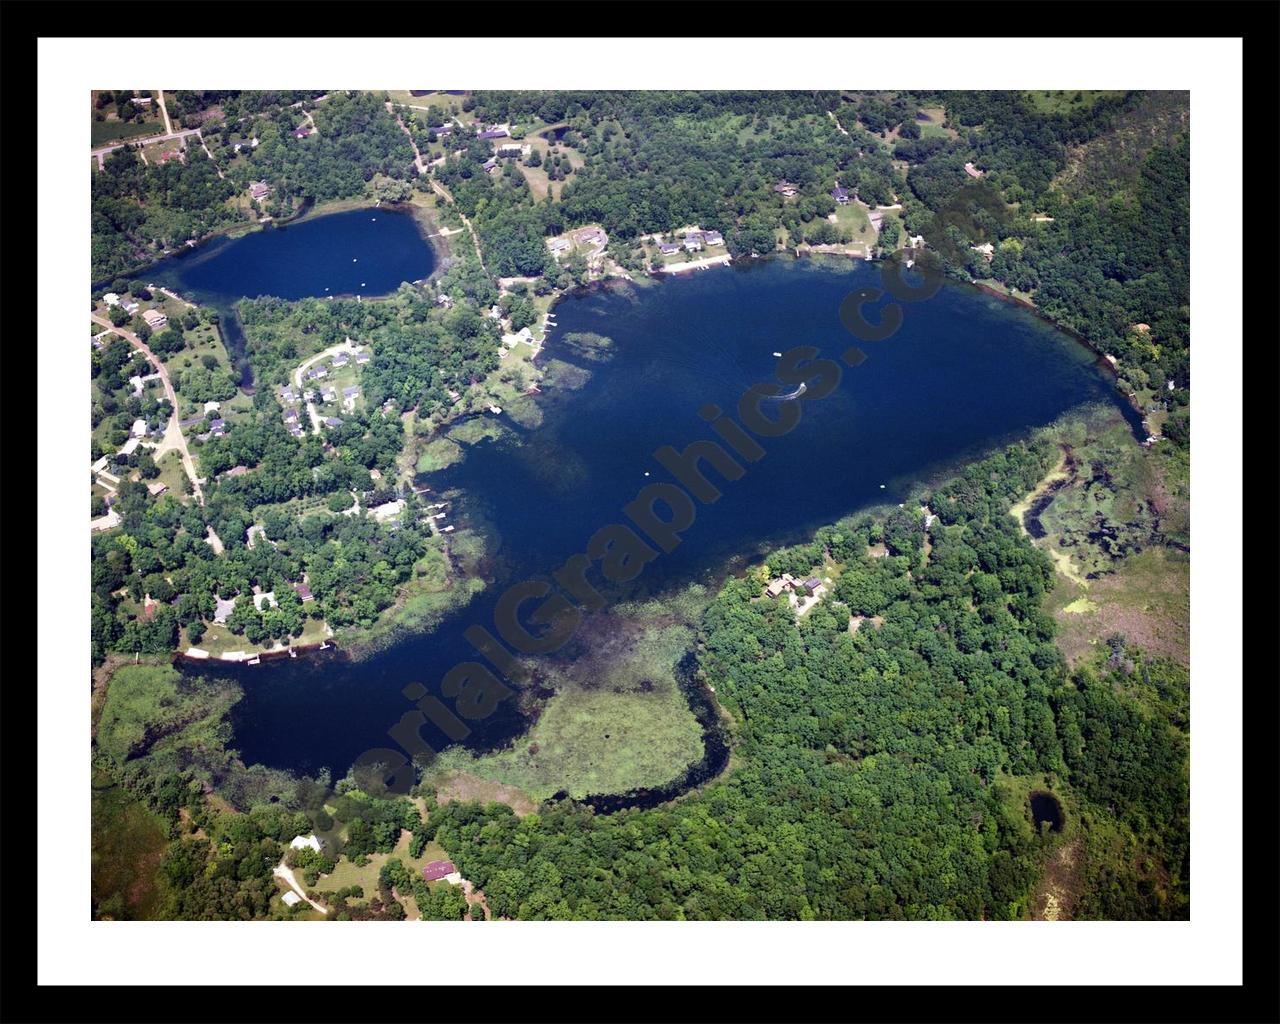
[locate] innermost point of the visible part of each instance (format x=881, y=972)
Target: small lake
x=1045, y=808
x=366, y=252
x=965, y=372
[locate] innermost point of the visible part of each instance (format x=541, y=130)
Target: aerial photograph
x=637, y=505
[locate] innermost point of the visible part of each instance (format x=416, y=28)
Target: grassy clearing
x=617, y=721
x=1147, y=600
x=128, y=841
x=454, y=784
x=1066, y=101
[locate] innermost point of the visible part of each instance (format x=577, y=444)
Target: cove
x=366, y=252
x=964, y=373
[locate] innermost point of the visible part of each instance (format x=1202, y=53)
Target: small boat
x=293, y=652
x=324, y=646
x=353, y=259
x=882, y=487
x=777, y=355
x=255, y=661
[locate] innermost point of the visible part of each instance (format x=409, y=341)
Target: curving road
x=173, y=437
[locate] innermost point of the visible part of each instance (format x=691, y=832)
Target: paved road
x=173, y=433
x=102, y=151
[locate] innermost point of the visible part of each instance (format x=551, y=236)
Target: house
x=259, y=189
x=295, y=430
x=139, y=428
x=332, y=421
x=235, y=471
x=362, y=357
x=130, y=446
x=668, y=248
x=713, y=238
x=437, y=869
x=493, y=133
x=987, y=250
x=490, y=164
x=785, y=582
x=786, y=188
x=589, y=236
x=111, y=299
x=317, y=373
x=559, y=245
x=304, y=592
x=286, y=393
x=223, y=609
x=291, y=899
x=352, y=392
x=155, y=319
x=291, y=416
x=156, y=488
x=101, y=464
x=693, y=241
x=840, y=195
x=328, y=394
x=972, y=171
x=443, y=130
x=340, y=360
x=212, y=406
x=301, y=133
x=131, y=308
x=141, y=101
x=311, y=842
x=217, y=427
x=814, y=586
x=268, y=598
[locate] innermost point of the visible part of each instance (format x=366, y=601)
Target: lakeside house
x=713, y=238
x=668, y=248
x=259, y=189
x=693, y=241
x=155, y=319
x=786, y=188
x=987, y=249
x=840, y=195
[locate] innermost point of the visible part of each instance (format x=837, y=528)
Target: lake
x=366, y=252
x=964, y=373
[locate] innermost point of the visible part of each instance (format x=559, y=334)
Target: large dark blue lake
x=964, y=373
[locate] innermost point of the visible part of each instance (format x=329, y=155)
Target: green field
x=127, y=843
x=1066, y=101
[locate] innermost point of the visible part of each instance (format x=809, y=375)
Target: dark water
x=1045, y=808
x=964, y=372
x=365, y=252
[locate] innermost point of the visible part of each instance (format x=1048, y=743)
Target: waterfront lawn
x=347, y=873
